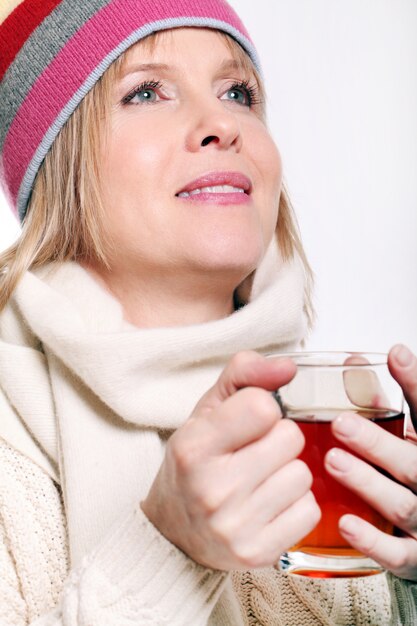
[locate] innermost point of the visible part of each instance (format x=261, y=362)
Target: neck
x=166, y=301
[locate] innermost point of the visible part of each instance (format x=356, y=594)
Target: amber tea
x=325, y=385
x=334, y=499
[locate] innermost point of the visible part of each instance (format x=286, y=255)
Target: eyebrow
x=227, y=65
x=145, y=67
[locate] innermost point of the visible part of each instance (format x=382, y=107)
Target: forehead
x=202, y=46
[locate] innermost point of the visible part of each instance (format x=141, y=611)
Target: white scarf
x=91, y=398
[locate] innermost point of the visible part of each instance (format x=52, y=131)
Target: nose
x=213, y=126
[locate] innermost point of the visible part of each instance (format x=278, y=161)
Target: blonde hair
x=65, y=216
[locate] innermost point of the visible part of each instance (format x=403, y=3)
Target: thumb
x=247, y=369
x=403, y=367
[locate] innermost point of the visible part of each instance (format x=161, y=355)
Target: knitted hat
x=52, y=52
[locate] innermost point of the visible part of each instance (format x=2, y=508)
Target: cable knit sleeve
x=137, y=577
x=404, y=600
x=12, y=605
x=134, y=577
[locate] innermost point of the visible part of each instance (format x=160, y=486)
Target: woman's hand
x=396, y=502
x=231, y=492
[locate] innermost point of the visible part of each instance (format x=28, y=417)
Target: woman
x=142, y=455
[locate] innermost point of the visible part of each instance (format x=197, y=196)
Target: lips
x=217, y=183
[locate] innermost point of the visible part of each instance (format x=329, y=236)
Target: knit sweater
x=76, y=548
x=112, y=588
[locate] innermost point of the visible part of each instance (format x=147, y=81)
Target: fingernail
x=349, y=525
x=403, y=356
x=346, y=425
x=339, y=460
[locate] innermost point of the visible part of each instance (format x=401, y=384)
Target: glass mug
x=325, y=385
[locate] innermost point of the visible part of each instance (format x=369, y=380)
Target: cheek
x=133, y=162
x=132, y=169
x=265, y=156
x=269, y=165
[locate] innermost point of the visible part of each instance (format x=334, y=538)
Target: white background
x=342, y=88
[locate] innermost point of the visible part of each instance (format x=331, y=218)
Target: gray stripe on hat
x=137, y=35
x=37, y=53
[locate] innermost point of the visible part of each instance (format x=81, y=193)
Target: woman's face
x=191, y=175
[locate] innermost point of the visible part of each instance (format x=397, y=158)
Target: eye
x=144, y=93
x=243, y=93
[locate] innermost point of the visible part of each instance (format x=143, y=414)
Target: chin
x=234, y=243
x=239, y=262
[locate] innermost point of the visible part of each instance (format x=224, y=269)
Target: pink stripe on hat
x=49, y=101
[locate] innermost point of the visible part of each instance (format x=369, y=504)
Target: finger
x=247, y=369
x=393, y=501
x=291, y=526
x=388, y=451
x=255, y=510
x=278, y=492
x=265, y=456
x=240, y=420
x=396, y=554
x=284, y=531
x=362, y=384
x=235, y=476
x=403, y=366
x=410, y=431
